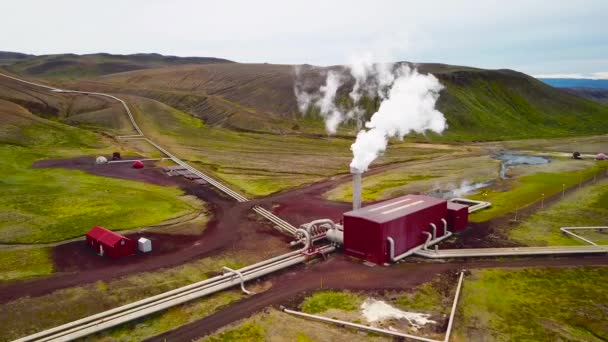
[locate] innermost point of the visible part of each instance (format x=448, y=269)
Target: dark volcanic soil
x=233, y=226
x=340, y=272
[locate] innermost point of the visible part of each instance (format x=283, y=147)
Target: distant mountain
x=575, y=83
x=479, y=104
x=7, y=58
x=597, y=94
x=71, y=66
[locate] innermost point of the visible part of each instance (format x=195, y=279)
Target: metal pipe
x=240, y=275
x=358, y=326
x=428, y=239
x=454, y=304
x=356, y=188
x=434, y=227
x=566, y=230
x=102, y=321
x=150, y=301
x=511, y=251
x=445, y=226
x=385, y=331
x=391, y=244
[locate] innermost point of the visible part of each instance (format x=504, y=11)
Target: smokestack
x=356, y=188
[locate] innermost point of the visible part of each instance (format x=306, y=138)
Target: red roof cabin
x=107, y=242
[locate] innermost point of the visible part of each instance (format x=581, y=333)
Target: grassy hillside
x=71, y=66
x=479, y=104
x=7, y=58
x=44, y=205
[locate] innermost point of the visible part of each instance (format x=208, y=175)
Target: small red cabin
x=458, y=216
x=109, y=243
x=138, y=164
x=403, y=219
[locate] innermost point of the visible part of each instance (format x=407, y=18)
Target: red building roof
x=105, y=236
x=397, y=207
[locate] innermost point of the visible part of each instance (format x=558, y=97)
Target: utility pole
x=542, y=201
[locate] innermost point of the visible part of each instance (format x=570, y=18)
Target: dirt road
x=339, y=272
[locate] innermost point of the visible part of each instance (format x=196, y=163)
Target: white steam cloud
x=408, y=104
x=409, y=107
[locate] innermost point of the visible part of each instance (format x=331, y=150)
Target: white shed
x=144, y=245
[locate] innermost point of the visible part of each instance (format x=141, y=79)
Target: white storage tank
x=144, y=245
x=101, y=160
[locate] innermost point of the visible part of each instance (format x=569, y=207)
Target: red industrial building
x=458, y=216
x=403, y=219
x=109, y=243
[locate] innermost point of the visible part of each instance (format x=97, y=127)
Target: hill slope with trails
x=479, y=104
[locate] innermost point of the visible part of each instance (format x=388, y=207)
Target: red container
x=138, y=164
x=403, y=219
x=458, y=217
x=110, y=243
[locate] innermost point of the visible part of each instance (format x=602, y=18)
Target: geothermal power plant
x=382, y=233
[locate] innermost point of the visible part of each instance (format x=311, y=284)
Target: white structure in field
x=101, y=160
x=144, y=245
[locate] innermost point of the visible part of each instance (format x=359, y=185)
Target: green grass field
x=421, y=175
x=509, y=195
x=19, y=263
x=323, y=301
x=586, y=207
x=27, y=315
x=257, y=164
x=47, y=205
x=552, y=304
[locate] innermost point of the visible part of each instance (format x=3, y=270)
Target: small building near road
x=144, y=245
x=107, y=242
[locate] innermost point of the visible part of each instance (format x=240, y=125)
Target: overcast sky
x=537, y=37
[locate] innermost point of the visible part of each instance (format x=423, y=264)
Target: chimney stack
x=356, y=188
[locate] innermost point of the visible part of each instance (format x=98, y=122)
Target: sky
x=538, y=37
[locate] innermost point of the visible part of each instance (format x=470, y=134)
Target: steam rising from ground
x=408, y=104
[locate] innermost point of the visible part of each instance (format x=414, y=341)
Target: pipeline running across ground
x=111, y=318
x=282, y=225
x=386, y=331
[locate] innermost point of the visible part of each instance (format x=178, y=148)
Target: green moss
x=527, y=190
x=553, y=304
x=46, y=205
x=424, y=298
x=245, y=332
x=323, y=301
x=302, y=337
x=585, y=207
x=22, y=263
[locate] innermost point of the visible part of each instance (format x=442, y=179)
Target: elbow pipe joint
x=445, y=227
x=428, y=239
x=434, y=227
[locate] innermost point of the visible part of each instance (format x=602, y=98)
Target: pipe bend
x=428, y=239
x=307, y=239
x=445, y=227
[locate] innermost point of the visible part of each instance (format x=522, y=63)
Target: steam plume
x=410, y=106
